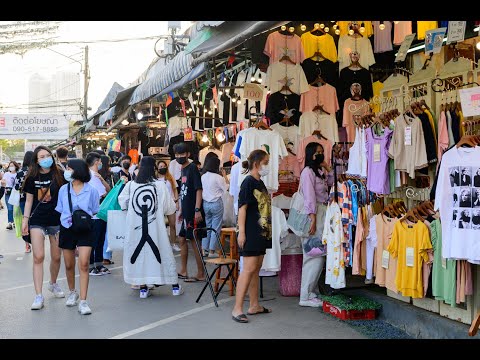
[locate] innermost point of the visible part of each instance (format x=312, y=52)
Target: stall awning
x=123, y=115
x=107, y=115
x=109, y=99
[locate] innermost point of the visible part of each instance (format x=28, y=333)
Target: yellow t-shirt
x=417, y=238
x=462, y=128
x=323, y=43
x=377, y=88
x=423, y=27
x=343, y=27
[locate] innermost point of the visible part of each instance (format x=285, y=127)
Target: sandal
x=193, y=279
x=180, y=276
x=242, y=318
x=108, y=262
x=264, y=311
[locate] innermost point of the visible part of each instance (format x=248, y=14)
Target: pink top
x=358, y=108
x=442, y=136
x=325, y=95
x=278, y=45
x=290, y=163
x=402, y=29
x=327, y=148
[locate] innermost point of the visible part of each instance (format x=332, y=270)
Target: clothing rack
x=441, y=85
x=334, y=165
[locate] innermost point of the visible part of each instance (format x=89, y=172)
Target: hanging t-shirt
x=234, y=188
x=386, y=270
x=278, y=45
x=353, y=109
x=377, y=87
x=382, y=40
x=348, y=77
x=133, y=153
x=401, y=29
x=314, y=120
x=430, y=145
x=258, y=224
x=289, y=134
x=272, y=259
x=459, y=203
x=347, y=44
x=423, y=27
x=378, y=180
x=280, y=74
x=203, y=153
x=280, y=105
x=409, y=245
x=325, y=95
x=357, y=161
x=176, y=124
x=289, y=164
x=327, y=148
x=323, y=43
x=45, y=196
x=407, y=147
x=327, y=69
x=333, y=237
x=227, y=149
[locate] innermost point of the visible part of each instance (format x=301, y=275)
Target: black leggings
x=2, y=192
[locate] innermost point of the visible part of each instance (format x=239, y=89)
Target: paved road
x=118, y=312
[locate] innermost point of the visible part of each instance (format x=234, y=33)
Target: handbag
x=111, y=201
x=313, y=247
x=14, y=198
x=298, y=221
x=116, y=229
x=81, y=220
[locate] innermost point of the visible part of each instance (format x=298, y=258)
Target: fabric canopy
x=109, y=99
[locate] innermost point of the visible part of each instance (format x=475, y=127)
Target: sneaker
x=9, y=226
x=213, y=255
x=95, y=272
x=83, y=308
x=175, y=247
x=37, y=303
x=72, y=299
x=103, y=270
x=311, y=302
x=28, y=248
x=56, y=290
x=144, y=293
x=176, y=291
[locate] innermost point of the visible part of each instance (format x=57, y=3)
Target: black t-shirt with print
x=278, y=102
x=43, y=188
x=191, y=182
x=258, y=225
x=19, y=182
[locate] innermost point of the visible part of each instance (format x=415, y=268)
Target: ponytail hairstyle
x=255, y=157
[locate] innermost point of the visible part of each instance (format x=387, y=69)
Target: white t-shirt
x=312, y=120
x=176, y=124
x=282, y=202
x=289, y=134
x=234, y=187
x=272, y=259
x=10, y=179
x=459, y=203
x=214, y=186
x=346, y=44
x=175, y=169
x=296, y=79
x=227, y=149
x=169, y=187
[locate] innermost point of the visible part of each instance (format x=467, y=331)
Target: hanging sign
x=253, y=92
x=402, y=51
x=456, y=31
x=470, y=99
x=188, y=134
x=434, y=40
x=33, y=127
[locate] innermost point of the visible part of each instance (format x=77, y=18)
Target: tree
x=9, y=147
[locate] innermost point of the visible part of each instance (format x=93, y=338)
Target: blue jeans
x=9, y=209
x=213, y=219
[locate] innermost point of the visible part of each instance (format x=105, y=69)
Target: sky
x=121, y=62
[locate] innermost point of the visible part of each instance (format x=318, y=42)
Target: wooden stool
x=232, y=254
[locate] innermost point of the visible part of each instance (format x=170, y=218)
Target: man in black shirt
x=125, y=162
x=191, y=211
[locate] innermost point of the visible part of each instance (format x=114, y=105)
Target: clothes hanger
x=287, y=58
x=318, y=134
x=319, y=107
x=318, y=54
x=409, y=216
x=286, y=88
x=318, y=80
x=317, y=30
x=261, y=125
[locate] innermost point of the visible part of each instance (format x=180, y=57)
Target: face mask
x=11, y=168
x=319, y=158
x=162, y=171
x=126, y=165
x=67, y=174
x=182, y=160
x=46, y=163
x=264, y=170
x=100, y=166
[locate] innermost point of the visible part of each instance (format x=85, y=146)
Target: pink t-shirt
x=278, y=45
x=327, y=148
x=289, y=163
x=353, y=108
x=325, y=95
x=402, y=29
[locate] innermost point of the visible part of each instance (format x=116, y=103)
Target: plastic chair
x=221, y=261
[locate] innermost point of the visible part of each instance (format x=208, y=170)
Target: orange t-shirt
x=133, y=153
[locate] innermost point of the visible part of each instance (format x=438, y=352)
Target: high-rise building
x=39, y=95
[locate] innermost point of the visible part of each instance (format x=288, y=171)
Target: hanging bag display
x=298, y=221
x=111, y=201
x=81, y=220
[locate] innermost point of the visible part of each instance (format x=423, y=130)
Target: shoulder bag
x=81, y=220
x=298, y=221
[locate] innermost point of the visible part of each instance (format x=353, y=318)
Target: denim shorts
x=47, y=230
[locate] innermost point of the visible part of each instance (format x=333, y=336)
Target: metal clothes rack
x=334, y=165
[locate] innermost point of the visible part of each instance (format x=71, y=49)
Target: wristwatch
x=197, y=209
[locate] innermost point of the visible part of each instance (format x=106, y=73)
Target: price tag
x=434, y=40
x=456, y=31
x=444, y=263
x=402, y=51
x=385, y=259
x=188, y=134
x=253, y=92
x=408, y=135
x=376, y=152
x=410, y=256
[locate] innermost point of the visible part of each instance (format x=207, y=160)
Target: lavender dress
x=378, y=180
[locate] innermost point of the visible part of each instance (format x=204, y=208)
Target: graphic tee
x=327, y=69
x=278, y=45
x=258, y=225
x=45, y=195
x=280, y=74
x=459, y=203
x=191, y=182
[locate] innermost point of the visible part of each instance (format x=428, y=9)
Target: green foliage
x=341, y=301
x=10, y=147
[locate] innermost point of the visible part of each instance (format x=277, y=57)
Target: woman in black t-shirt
x=254, y=233
x=41, y=187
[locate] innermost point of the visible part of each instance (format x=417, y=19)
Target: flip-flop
x=180, y=276
x=193, y=279
x=264, y=311
x=242, y=318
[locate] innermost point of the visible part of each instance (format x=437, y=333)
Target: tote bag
x=116, y=229
x=298, y=221
x=14, y=198
x=111, y=201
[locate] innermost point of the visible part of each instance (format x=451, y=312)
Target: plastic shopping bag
x=116, y=229
x=17, y=219
x=314, y=247
x=14, y=198
x=111, y=201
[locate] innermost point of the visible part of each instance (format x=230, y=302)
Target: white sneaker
x=311, y=302
x=144, y=293
x=37, y=303
x=175, y=247
x=56, y=290
x=83, y=308
x=178, y=291
x=72, y=299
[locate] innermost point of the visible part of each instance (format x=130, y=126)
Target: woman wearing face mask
x=9, y=180
x=83, y=197
x=315, y=180
x=19, y=181
x=42, y=184
x=254, y=233
x=167, y=178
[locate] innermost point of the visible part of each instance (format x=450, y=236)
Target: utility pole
x=85, y=86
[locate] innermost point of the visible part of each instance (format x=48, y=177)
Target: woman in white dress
x=147, y=256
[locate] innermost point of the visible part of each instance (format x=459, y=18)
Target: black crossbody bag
x=81, y=220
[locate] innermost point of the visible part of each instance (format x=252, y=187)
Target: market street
x=118, y=312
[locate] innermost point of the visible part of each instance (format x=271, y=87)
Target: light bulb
x=322, y=26
x=291, y=29
x=195, y=102
x=381, y=26
x=350, y=32
x=362, y=30
x=303, y=27
x=215, y=106
x=332, y=21
x=233, y=100
x=239, y=102
x=204, y=110
x=220, y=93
x=260, y=80
x=478, y=45
x=283, y=28
x=396, y=22
x=316, y=26
x=326, y=29
x=335, y=27
x=337, y=32
x=125, y=122
x=205, y=137
x=210, y=112
x=140, y=116
x=200, y=103
x=197, y=93
x=252, y=79
x=221, y=137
